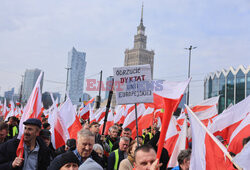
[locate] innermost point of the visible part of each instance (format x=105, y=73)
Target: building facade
x=139, y=55
x=77, y=66
x=233, y=85
x=9, y=94
x=30, y=78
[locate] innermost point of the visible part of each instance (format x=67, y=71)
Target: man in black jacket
x=35, y=156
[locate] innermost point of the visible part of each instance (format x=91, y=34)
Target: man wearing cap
x=46, y=136
x=35, y=156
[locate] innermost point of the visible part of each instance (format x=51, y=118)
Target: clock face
x=140, y=32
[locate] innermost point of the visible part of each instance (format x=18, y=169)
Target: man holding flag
x=35, y=151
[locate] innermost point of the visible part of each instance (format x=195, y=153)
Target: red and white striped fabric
x=130, y=121
x=207, y=151
x=145, y=121
x=241, y=132
x=180, y=144
x=58, y=133
x=171, y=136
x=242, y=158
x=31, y=110
x=11, y=111
x=226, y=122
x=100, y=114
x=86, y=111
x=169, y=98
x=69, y=119
x=123, y=112
x=109, y=123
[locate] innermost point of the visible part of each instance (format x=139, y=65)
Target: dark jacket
x=8, y=154
x=111, y=159
x=164, y=154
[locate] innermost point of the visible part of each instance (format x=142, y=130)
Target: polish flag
x=11, y=112
x=226, y=122
x=126, y=110
x=241, y=132
x=69, y=119
x=145, y=121
x=170, y=96
x=207, y=151
x=242, y=158
x=180, y=144
x=85, y=112
x=171, y=136
x=31, y=110
x=100, y=114
x=130, y=121
x=58, y=132
x=119, y=109
x=109, y=123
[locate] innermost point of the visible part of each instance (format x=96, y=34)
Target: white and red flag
x=109, y=123
x=225, y=123
x=130, y=121
x=144, y=122
x=207, y=151
x=58, y=132
x=170, y=97
x=180, y=144
x=69, y=119
x=31, y=110
x=100, y=114
x=242, y=158
x=87, y=110
x=241, y=132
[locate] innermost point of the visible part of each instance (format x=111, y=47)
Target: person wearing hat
x=35, y=156
x=65, y=161
x=46, y=136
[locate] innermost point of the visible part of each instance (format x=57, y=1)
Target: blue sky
x=39, y=34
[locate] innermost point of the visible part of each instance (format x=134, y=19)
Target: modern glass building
x=232, y=85
x=77, y=66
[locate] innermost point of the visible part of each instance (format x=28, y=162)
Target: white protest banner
x=133, y=84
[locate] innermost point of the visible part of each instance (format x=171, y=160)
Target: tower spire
x=142, y=14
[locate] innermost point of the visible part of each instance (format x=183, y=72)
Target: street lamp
x=189, y=63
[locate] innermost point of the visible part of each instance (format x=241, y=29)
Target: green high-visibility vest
x=110, y=146
x=14, y=131
x=116, y=159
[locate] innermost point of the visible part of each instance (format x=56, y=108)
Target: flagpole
x=108, y=106
x=213, y=137
x=136, y=122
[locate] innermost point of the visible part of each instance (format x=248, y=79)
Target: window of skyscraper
x=240, y=86
x=221, y=93
x=248, y=83
x=230, y=89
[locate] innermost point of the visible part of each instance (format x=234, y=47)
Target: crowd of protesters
x=90, y=151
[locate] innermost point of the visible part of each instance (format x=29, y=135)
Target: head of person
x=98, y=149
x=46, y=126
x=132, y=147
x=70, y=144
x=85, y=125
x=31, y=129
x=124, y=143
x=46, y=136
x=145, y=155
x=245, y=140
x=44, y=120
x=184, y=159
x=113, y=132
x=85, y=142
x=4, y=128
x=140, y=139
x=66, y=161
x=13, y=121
x=126, y=132
x=94, y=127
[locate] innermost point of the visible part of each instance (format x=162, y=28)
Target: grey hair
x=84, y=133
x=113, y=128
x=97, y=146
x=184, y=154
x=124, y=138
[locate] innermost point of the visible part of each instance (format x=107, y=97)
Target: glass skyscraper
x=77, y=66
x=232, y=85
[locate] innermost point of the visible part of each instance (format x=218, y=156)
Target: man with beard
x=35, y=156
